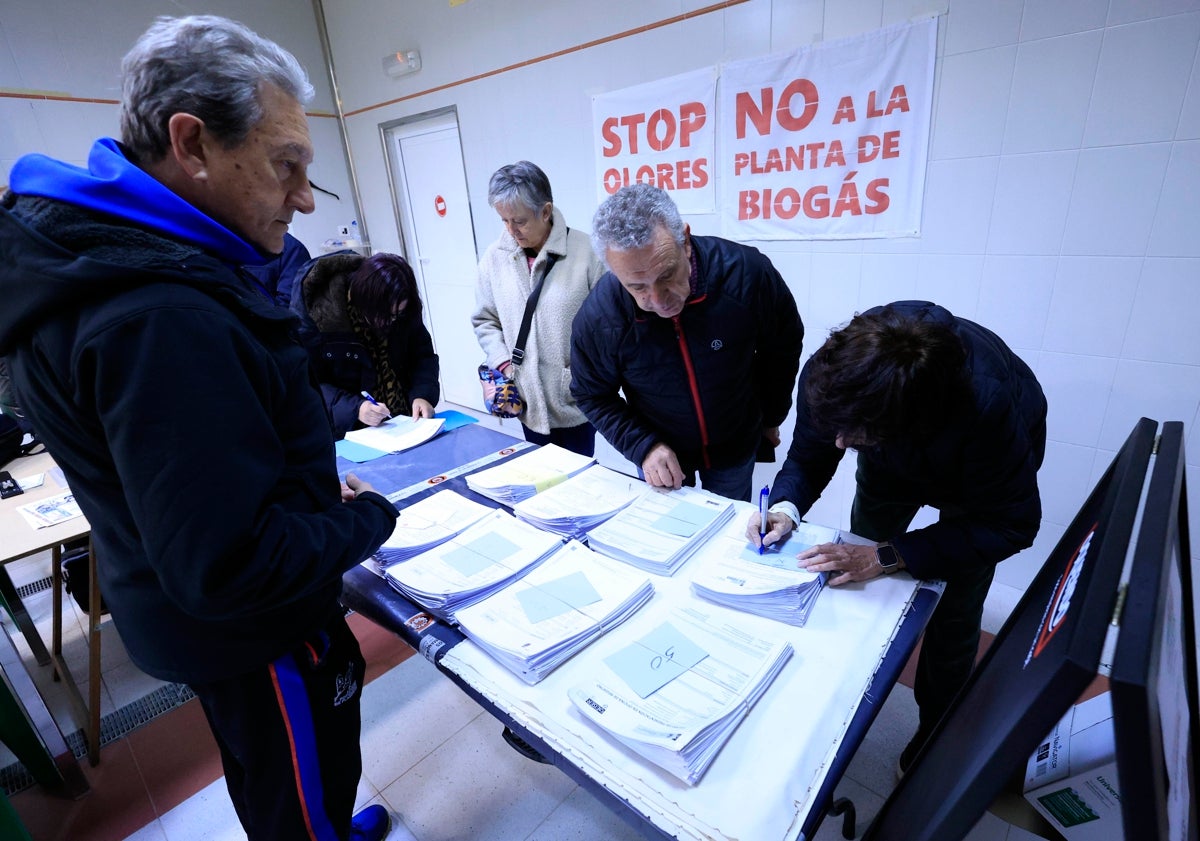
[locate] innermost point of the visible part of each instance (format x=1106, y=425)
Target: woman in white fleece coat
x=534, y=229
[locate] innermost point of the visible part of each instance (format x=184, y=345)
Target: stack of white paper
x=730, y=571
x=396, y=434
x=539, y=622
x=676, y=695
x=490, y=554
x=524, y=476
x=427, y=523
x=582, y=502
x=659, y=531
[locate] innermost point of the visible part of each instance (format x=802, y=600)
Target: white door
x=432, y=186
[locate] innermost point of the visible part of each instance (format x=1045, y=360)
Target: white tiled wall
x=1062, y=193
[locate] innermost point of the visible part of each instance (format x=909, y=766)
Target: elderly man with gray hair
x=685, y=354
x=168, y=387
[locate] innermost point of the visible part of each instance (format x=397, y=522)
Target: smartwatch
x=888, y=558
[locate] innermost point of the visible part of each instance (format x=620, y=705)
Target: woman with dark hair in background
x=536, y=243
x=362, y=325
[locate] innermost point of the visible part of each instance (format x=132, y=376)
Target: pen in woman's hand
x=367, y=396
x=763, y=496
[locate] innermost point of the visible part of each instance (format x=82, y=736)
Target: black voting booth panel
x=1154, y=683
x=1045, y=655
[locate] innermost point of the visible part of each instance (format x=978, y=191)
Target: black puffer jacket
x=980, y=469
x=182, y=412
x=705, y=382
x=341, y=362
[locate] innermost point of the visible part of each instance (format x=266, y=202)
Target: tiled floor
x=424, y=744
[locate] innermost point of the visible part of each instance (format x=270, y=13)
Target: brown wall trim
x=716, y=7
x=57, y=97
x=62, y=97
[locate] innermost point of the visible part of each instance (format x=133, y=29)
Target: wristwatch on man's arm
x=888, y=558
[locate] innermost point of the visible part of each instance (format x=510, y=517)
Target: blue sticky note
x=574, y=589
x=655, y=660
x=685, y=519
x=466, y=561
x=357, y=453
x=540, y=605
x=691, y=513
x=493, y=547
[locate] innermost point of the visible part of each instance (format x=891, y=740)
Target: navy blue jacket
x=182, y=411
x=980, y=469
x=705, y=382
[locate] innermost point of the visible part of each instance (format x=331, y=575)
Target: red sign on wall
x=439, y=204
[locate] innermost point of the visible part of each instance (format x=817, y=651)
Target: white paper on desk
x=438, y=583
x=760, y=786
x=51, y=511
x=524, y=476
x=682, y=726
x=730, y=571
x=430, y=522
x=532, y=649
x=636, y=534
x=581, y=502
x=397, y=434
x=28, y=483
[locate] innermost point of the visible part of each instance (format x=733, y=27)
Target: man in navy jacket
x=701, y=337
x=943, y=414
x=171, y=391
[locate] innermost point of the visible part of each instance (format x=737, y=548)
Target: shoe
x=371, y=824
x=524, y=748
x=909, y=754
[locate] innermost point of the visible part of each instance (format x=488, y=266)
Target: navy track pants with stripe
x=289, y=738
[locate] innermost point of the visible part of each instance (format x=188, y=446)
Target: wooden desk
x=19, y=540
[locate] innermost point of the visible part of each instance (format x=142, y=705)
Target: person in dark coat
x=942, y=414
x=362, y=324
x=172, y=393
x=685, y=353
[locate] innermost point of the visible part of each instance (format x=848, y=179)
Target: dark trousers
x=578, y=439
x=951, y=638
x=289, y=738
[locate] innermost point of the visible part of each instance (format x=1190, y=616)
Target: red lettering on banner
x=632, y=121
x=681, y=175
x=845, y=111
x=661, y=129
x=871, y=146
x=806, y=156
x=787, y=203
x=692, y=118
x=612, y=145
x=759, y=112
x=876, y=194
x=898, y=101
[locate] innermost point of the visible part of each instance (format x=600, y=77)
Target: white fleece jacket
x=503, y=287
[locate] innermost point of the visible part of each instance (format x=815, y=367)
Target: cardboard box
x=1071, y=779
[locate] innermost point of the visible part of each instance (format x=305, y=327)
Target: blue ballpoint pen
x=763, y=495
x=367, y=396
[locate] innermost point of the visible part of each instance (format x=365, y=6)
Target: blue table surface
x=394, y=473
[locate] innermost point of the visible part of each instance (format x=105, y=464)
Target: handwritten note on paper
x=655, y=660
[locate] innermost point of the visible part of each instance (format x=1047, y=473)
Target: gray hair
x=628, y=219
x=522, y=182
x=206, y=66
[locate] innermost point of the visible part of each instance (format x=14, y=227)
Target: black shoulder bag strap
x=518, y=352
